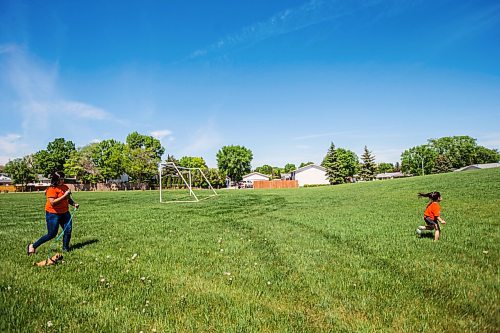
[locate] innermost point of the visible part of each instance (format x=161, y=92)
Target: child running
x=432, y=214
x=56, y=212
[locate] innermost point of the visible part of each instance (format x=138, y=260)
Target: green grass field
x=327, y=259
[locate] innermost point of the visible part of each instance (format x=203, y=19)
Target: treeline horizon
x=140, y=156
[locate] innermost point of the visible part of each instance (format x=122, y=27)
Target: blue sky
x=282, y=78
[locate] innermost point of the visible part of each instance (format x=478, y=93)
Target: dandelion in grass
x=50, y=324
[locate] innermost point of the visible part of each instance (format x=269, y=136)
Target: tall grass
x=339, y=259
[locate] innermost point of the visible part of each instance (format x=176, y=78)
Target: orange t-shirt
x=433, y=210
x=57, y=192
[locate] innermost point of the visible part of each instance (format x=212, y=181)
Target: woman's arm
x=54, y=201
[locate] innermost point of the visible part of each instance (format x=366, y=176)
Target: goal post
x=181, y=184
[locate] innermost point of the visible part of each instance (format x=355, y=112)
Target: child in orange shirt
x=56, y=212
x=432, y=214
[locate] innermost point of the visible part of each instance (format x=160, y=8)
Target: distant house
x=389, y=175
x=310, y=175
x=40, y=181
x=4, y=180
x=251, y=177
x=479, y=166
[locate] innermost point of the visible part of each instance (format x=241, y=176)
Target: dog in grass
x=50, y=261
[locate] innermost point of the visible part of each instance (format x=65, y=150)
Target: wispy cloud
x=9, y=143
x=160, y=134
x=205, y=139
x=320, y=135
x=292, y=19
x=33, y=89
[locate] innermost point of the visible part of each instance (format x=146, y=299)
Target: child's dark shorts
x=433, y=223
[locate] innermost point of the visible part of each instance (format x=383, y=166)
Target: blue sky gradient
x=283, y=78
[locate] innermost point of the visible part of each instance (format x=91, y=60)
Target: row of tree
x=140, y=155
x=98, y=162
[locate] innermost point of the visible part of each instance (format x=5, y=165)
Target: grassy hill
x=340, y=258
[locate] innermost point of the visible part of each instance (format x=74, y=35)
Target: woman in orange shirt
x=56, y=212
x=432, y=214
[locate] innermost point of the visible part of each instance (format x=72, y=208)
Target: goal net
x=180, y=184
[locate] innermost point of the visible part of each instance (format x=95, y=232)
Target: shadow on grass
x=427, y=235
x=82, y=244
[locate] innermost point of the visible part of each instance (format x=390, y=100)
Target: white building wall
x=252, y=178
x=311, y=176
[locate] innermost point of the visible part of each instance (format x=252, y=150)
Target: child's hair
x=434, y=196
x=56, y=177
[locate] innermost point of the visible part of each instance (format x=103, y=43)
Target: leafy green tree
x=21, y=170
x=413, y=158
x=216, y=178
x=484, y=155
x=53, y=158
x=234, y=161
x=368, y=166
x=303, y=164
x=442, y=164
x=142, y=155
x=332, y=165
x=385, y=167
x=81, y=165
x=193, y=162
x=459, y=150
x=276, y=173
x=108, y=157
x=349, y=163
x=289, y=167
x=265, y=169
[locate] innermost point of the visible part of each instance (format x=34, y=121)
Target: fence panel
x=275, y=184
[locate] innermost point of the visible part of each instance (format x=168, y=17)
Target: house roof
x=5, y=179
x=480, y=166
x=390, y=175
x=255, y=174
x=307, y=167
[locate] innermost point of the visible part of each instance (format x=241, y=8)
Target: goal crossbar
x=187, y=182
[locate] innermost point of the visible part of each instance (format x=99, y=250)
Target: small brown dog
x=50, y=261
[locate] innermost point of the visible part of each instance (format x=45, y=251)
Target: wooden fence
x=273, y=184
x=7, y=188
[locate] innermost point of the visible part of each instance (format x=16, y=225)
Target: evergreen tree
x=332, y=166
x=368, y=167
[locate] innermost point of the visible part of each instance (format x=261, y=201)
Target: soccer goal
x=180, y=184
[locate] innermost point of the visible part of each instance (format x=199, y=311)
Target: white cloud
x=32, y=88
x=204, y=139
x=9, y=143
x=160, y=134
x=8, y=48
x=292, y=19
x=81, y=110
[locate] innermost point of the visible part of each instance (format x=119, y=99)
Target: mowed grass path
x=326, y=259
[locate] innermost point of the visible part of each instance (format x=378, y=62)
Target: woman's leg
x=52, y=226
x=66, y=224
